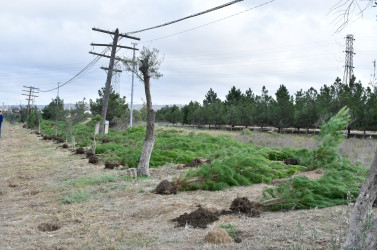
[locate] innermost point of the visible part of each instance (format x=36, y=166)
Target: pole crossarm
x=115, y=70
x=109, y=45
x=96, y=54
x=113, y=33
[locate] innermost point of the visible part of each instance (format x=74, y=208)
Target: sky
x=290, y=42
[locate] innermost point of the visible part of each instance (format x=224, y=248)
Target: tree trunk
x=348, y=132
x=363, y=223
x=150, y=135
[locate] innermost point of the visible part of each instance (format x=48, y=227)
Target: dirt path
x=52, y=199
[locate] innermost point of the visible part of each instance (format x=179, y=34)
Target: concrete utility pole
x=348, y=67
x=110, y=69
x=57, y=109
x=373, y=82
x=31, y=91
x=132, y=86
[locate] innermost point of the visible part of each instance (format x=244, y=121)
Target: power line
x=95, y=60
x=184, y=18
x=80, y=73
x=197, y=27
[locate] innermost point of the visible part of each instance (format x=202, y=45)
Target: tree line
x=304, y=109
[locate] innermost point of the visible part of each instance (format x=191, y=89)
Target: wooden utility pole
x=110, y=69
x=30, y=97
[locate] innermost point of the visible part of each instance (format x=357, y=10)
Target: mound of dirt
x=12, y=183
x=104, y=140
x=165, y=187
x=111, y=164
x=200, y=218
x=58, y=139
x=93, y=159
x=80, y=151
x=290, y=161
x=89, y=153
x=196, y=163
x=244, y=205
x=46, y=137
x=180, y=167
x=48, y=227
x=218, y=236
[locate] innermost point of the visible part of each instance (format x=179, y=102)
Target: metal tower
x=348, y=67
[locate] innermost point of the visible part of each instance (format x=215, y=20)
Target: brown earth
x=51, y=199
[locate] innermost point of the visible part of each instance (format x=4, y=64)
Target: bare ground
x=52, y=199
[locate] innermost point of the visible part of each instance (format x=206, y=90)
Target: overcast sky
x=290, y=42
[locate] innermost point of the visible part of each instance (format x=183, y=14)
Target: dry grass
x=43, y=188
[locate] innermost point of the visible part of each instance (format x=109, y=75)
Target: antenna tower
x=348, y=67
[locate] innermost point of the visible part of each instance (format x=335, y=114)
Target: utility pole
x=56, y=112
x=30, y=97
x=110, y=69
x=348, y=67
x=373, y=81
x=132, y=86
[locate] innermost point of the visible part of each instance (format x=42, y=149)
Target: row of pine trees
x=304, y=109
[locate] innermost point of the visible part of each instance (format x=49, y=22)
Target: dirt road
x=53, y=199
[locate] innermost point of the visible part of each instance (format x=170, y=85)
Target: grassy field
x=52, y=199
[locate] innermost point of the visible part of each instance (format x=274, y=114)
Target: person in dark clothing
x=1, y=120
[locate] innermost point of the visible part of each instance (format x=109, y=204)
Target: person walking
x=1, y=121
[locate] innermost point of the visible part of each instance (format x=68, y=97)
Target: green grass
x=75, y=197
x=230, y=229
x=94, y=180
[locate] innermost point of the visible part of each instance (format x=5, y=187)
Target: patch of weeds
x=230, y=229
x=129, y=178
x=75, y=197
x=94, y=180
x=338, y=235
x=304, y=238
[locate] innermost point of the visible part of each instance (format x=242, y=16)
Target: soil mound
x=80, y=151
x=89, y=153
x=104, y=140
x=46, y=137
x=111, y=164
x=165, y=187
x=244, y=205
x=196, y=163
x=290, y=161
x=218, y=236
x=58, y=139
x=93, y=159
x=13, y=183
x=200, y=218
x=48, y=227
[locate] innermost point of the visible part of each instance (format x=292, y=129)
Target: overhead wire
x=95, y=60
x=187, y=17
x=79, y=74
x=218, y=20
